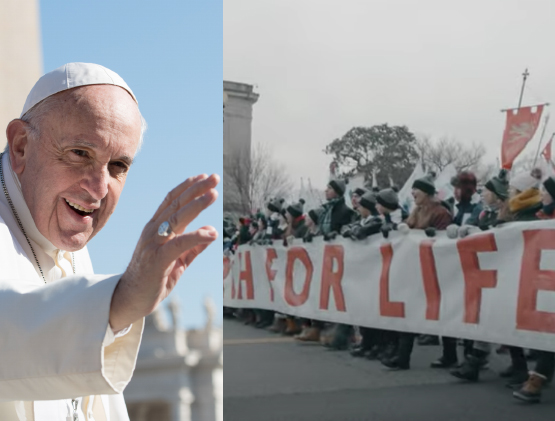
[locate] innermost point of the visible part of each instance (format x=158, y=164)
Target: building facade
x=20, y=57
x=239, y=99
x=179, y=374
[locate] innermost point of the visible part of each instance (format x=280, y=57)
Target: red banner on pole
x=520, y=128
x=547, y=151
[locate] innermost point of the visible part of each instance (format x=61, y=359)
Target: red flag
x=520, y=128
x=547, y=151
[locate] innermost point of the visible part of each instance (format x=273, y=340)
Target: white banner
x=497, y=286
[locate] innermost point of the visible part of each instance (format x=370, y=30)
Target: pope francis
x=69, y=338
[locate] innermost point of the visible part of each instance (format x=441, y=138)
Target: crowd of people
x=502, y=200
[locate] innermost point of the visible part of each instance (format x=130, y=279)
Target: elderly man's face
x=85, y=150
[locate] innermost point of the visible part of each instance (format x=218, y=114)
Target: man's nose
x=96, y=182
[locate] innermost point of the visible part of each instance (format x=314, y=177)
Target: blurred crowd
x=502, y=200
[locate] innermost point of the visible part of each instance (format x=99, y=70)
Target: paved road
x=271, y=378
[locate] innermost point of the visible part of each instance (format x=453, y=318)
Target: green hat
x=499, y=185
x=426, y=184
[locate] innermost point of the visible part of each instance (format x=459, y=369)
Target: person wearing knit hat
x=312, y=225
x=336, y=213
x=427, y=213
x=356, y=195
x=525, y=199
x=369, y=222
x=548, y=199
x=388, y=206
x=336, y=188
x=275, y=205
x=425, y=184
x=296, y=220
x=499, y=185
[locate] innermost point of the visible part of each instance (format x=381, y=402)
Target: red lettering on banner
x=475, y=279
x=533, y=280
x=388, y=308
x=227, y=268
x=271, y=255
x=291, y=297
x=331, y=279
x=246, y=277
x=429, y=276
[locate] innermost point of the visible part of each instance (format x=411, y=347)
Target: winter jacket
x=467, y=213
x=362, y=228
x=526, y=205
x=341, y=215
x=433, y=215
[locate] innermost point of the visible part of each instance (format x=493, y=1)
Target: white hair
x=36, y=114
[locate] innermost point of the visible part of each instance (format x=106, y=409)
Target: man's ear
x=18, y=139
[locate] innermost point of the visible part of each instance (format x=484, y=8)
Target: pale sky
x=440, y=67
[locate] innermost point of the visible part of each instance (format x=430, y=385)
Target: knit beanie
x=499, y=185
x=525, y=181
x=338, y=186
x=426, y=184
x=388, y=199
x=549, y=185
x=360, y=191
x=368, y=201
x=296, y=209
x=315, y=214
x=275, y=205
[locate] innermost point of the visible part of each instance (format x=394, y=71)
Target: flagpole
x=546, y=119
x=524, y=77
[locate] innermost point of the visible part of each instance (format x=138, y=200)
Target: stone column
x=20, y=57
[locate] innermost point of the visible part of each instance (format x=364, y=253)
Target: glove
x=467, y=230
x=430, y=232
x=385, y=231
x=403, y=228
x=330, y=236
x=453, y=231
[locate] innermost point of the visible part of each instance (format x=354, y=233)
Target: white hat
x=524, y=181
x=70, y=76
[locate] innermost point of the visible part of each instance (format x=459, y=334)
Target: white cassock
x=55, y=341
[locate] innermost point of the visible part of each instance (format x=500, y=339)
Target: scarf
x=525, y=200
x=325, y=226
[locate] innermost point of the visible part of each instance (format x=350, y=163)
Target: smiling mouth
x=79, y=210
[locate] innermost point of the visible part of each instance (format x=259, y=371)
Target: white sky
x=440, y=67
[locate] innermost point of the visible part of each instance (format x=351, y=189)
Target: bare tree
x=436, y=155
x=251, y=181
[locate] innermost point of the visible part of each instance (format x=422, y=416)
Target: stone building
x=20, y=57
x=239, y=100
x=179, y=374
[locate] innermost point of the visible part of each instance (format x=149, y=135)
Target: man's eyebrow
x=83, y=143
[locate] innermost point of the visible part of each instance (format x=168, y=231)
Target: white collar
x=16, y=195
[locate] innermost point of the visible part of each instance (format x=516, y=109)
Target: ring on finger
x=164, y=229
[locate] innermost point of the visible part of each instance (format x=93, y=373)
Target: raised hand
x=159, y=261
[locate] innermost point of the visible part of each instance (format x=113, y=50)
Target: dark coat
x=341, y=215
x=469, y=210
x=361, y=229
x=528, y=214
